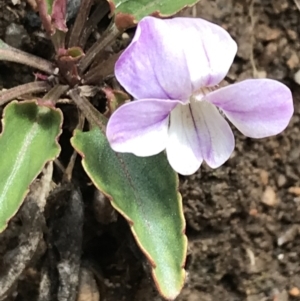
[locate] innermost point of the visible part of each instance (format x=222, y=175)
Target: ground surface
x=243, y=219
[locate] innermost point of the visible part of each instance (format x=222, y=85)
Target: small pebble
x=289, y=235
x=292, y=34
x=295, y=292
x=88, y=288
x=269, y=197
x=260, y=74
x=281, y=180
x=293, y=61
x=254, y=298
x=265, y=33
x=281, y=296
x=297, y=77
x=253, y=212
x=264, y=177
x=294, y=190
x=280, y=256
x=15, y=35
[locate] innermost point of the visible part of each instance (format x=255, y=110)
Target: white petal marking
x=183, y=149
x=214, y=133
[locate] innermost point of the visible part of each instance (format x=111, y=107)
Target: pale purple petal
x=183, y=149
x=257, y=107
x=140, y=127
x=173, y=58
x=214, y=133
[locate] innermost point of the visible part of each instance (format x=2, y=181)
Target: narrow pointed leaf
x=145, y=192
x=27, y=142
x=129, y=12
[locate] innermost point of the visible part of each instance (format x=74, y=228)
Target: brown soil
x=243, y=219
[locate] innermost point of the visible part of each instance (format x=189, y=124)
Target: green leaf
x=129, y=12
x=49, y=4
x=145, y=192
x=27, y=142
x=115, y=98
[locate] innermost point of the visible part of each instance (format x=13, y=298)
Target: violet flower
x=172, y=68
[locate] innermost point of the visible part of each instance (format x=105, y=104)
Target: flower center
x=199, y=95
